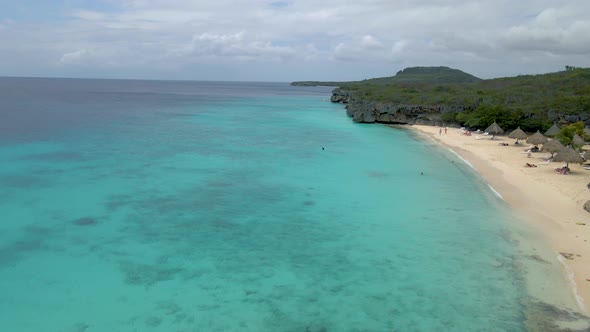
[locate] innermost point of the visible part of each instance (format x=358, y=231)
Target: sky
x=289, y=40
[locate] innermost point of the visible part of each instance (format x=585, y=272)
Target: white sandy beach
x=549, y=201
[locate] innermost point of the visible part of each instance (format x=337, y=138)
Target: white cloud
x=370, y=42
x=237, y=46
x=368, y=48
x=489, y=36
x=73, y=57
x=89, y=15
x=555, y=31
x=220, y=39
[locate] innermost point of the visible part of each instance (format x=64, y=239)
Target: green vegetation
x=566, y=133
x=412, y=75
x=484, y=115
x=428, y=75
x=513, y=101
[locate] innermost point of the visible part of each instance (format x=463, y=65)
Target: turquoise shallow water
x=134, y=206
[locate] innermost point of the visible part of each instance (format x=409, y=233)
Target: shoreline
x=547, y=202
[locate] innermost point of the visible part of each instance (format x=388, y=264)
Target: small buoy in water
x=322, y=148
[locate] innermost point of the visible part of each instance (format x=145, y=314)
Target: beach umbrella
x=517, y=134
x=553, y=146
x=537, y=138
x=577, y=140
x=554, y=130
x=494, y=129
x=587, y=155
x=568, y=155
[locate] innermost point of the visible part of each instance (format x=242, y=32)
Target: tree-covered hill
x=408, y=75
x=417, y=75
x=527, y=101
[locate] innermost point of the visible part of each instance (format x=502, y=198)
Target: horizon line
x=139, y=79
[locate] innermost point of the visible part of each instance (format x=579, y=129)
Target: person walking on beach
x=439, y=131
x=445, y=130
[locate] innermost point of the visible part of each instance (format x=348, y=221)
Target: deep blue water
x=202, y=206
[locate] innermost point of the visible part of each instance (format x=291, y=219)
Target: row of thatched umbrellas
x=495, y=129
x=558, y=152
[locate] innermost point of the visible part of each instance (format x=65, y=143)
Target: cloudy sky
x=286, y=40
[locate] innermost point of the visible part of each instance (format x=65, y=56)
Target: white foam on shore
x=470, y=165
x=458, y=156
x=495, y=192
x=570, y=276
x=566, y=268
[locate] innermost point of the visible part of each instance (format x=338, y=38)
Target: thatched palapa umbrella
x=577, y=140
x=553, y=146
x=587, y=155
x=537, y=138
x=554, y=130
x=494, y=129
x=517, y=134
x=568, y=155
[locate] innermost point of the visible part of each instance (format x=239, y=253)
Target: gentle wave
x=470, y=165
x=463, y=159
x=570, y=276
x=495, y=192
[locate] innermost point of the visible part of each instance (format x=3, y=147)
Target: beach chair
x=562, y=170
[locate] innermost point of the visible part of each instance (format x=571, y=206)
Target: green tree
x=566, y=134
x=448, y=116
x=535, y=123
x=485, y=115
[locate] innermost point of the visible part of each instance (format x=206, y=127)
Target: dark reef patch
x=23, y=181
x=543, y=316
x=85, y=221
x=32, y=240
x=60, y=156
x=220, y=184
x=153, y=321
x=114, y=202
x=538, y=258
x=80, y=327
x=129, y=173
x=148, y=275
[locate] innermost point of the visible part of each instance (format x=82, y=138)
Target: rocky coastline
x=366, y=111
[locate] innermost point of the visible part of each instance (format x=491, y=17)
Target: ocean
x=222, y=206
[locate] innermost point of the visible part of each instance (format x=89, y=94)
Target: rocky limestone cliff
x=365, y=111
x=562, y=118
x=370, y=112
